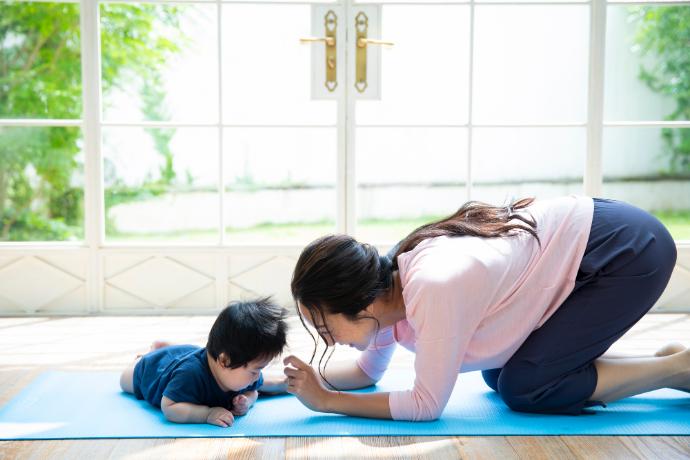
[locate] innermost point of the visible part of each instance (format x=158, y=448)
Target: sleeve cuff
x=398, y=402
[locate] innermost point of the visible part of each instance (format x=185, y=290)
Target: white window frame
x=94, y=242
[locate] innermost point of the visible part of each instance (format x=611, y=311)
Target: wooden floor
x=29, y=346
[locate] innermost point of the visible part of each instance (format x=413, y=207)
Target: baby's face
x=241, y=377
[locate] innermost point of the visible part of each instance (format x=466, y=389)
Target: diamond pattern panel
x=32, y=283
x=159, y=280
x=265, y=277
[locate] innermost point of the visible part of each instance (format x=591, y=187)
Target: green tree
x=663, y=33
x=40, y=77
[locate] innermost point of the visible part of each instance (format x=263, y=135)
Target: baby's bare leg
x=159, y=344
x=127, y=378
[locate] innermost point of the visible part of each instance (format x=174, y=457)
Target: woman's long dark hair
x=474, y=218
x=336, y=274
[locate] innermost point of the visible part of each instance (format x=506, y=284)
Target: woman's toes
x=670, y=349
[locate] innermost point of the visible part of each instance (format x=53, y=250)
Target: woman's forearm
x=370, y=405
x=274, y=383
x=346, y=375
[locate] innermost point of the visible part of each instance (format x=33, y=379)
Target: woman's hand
x=304, y=383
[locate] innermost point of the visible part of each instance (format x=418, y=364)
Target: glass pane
x=161, y=184
x=425, y=76
x=407, y=177
x=280, y=184
x=41, y=184
x=266, y=71
x=650, y=168
x=530, y=64
x=513, y=163
x=159, y=62
x=40, y=60
x=647, y=63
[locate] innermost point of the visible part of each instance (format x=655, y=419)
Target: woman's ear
x=367, y=312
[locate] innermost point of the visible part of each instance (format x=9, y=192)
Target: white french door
x=362, y=118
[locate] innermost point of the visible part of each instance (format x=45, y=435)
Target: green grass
x=371, y=230
x=677, y=222
x=375, y=230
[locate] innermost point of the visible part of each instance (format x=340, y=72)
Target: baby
x=216, y=383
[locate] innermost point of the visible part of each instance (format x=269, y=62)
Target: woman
x=532, y=294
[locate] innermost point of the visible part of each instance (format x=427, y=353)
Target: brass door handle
x=363, y=42
x=330, y=22
x=329, y=41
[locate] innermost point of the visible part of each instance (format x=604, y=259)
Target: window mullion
x=593, y=176
x=94, y=220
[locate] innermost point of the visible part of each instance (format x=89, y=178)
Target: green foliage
x=40, y=77
x=663, y=33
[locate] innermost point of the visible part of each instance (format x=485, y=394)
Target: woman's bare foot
x=682, y=380
x=670, y=349
x=157, y=344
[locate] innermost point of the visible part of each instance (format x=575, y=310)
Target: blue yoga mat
x=78, y=405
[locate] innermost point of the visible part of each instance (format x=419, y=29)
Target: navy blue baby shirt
x=181, y=373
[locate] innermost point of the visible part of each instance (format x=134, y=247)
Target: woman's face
x=339, y=329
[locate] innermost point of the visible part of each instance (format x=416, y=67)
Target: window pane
x=161, y=184
x=406, y=177
x=41, y=184
x=531, y=64
x=40, y=67
x=424, y=77
x=513, y=163
x=159, y=62
x=650, y=168
x=266, y=71
x=647, y=63
x=280, y=184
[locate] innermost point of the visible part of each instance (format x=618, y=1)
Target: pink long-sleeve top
x=471, y=302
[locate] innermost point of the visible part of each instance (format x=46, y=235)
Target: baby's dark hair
x=248, y=330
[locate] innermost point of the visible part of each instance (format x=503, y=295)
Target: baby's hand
x=220, y=416
x=240, y=405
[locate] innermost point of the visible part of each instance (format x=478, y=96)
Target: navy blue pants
x=627, y=263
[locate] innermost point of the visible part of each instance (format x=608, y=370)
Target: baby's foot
x=159, y=344
x=670, y=349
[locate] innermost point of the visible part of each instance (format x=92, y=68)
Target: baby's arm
x=243, y=401
x=182, y=412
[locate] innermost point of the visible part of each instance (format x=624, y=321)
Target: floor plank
x=661, y=447
x=540, y=447
x=598, y=447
